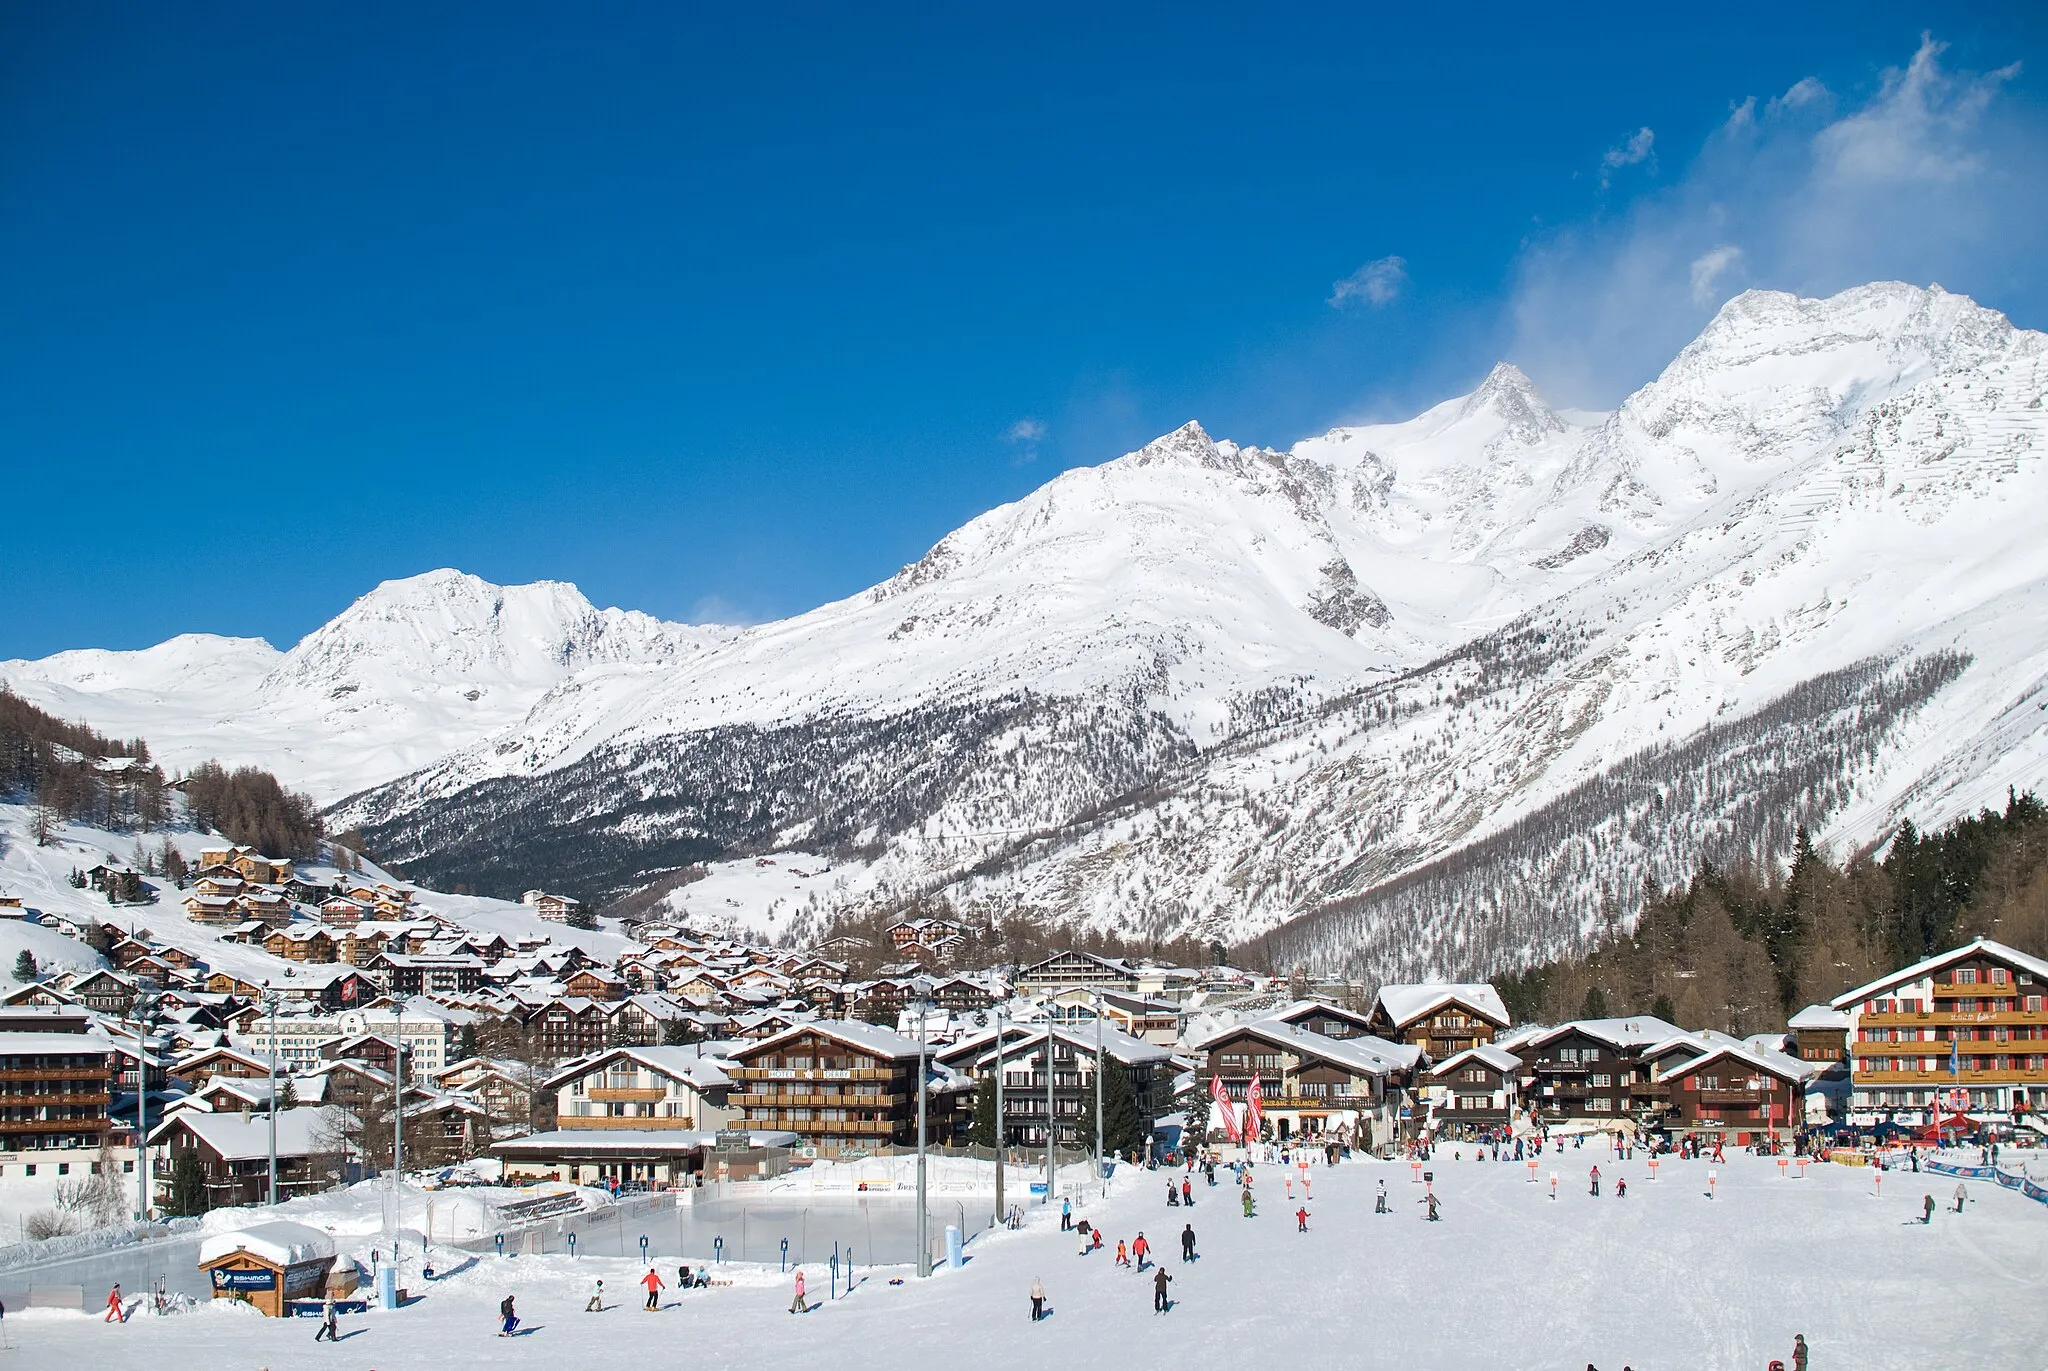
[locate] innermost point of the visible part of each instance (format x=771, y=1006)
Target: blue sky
x=725, y=315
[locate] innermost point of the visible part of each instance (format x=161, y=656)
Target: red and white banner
x=1225, y=1108
x=1254, y=1111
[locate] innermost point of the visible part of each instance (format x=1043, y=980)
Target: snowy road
x=1664, y=1278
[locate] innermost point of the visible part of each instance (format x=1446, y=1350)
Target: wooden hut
x=268, y=1264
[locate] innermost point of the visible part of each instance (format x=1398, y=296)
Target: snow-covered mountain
x=409, y=671
x=1424, y=697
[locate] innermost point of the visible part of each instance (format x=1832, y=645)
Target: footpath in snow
x=1663, y=1278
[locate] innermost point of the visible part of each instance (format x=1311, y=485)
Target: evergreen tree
x=983, y=1132
x=287, y=1093
x=1124, y=1129
x=465, y=1042
x=1195, y=1107
x=25, y=968
x=188, y=1186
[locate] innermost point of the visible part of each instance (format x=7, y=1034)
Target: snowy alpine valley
x=1512, y=888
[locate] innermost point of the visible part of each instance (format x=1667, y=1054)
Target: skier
x=1142, y=1250
x=1380, y=1203
x=1596, y=1181
x=1961, y=1195
x=1301, y=1220
x=1037, y=1299
x=1187, y=1243
x=595, y=1304
x=1160, y=1304
x=1187, y=1193
x=327, y=1320
x=114, y=1314
x=1066, y=1215
x=511, y=1319
x=1927, y=1209
x=1432, y=1201
x=797, y=1305
x=1621, y=1188
x=1123, y=1255
x=653, y=1284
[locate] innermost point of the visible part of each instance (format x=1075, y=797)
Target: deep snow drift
x=1664, y=1278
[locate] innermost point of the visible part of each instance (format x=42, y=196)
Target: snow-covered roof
x=1818, y=1016
x=2011, y=956
x=44, y=1044
x=279, y=1243
x=1640, y=1030
x=632, y=1140
x=1500, y=1059
x=1374, y=1056
x=1404, y=1004
x=1776, y=1063
x=699, y=1069
x=867, y=1037
x=246, y=1137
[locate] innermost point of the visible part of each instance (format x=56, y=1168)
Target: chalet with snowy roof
x=1065, y=970
x=1021, y=1050
x=1311, y=1085
x=70, y=1077
x=1588, y=1070
x=218, y=1061
x=596, y=983
x=568, y=1026
x=245, y=862
x=105, y=992
x=925, y=935
x=302, y=942
x=233, y=1151
x=1330, y=1020
x=408, y=975
x=643, y=1088
x=841, y=1085
x=1967, y=1030
x=342, y=912
x=555, y=909
x=1473, y=1091
x=1442, y=1020
x=504, y=1088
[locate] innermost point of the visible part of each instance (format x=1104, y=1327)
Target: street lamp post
x=924, y=1244
x=1002, y=1139
x=270, y=999
x=1098, y=1095
x=1051, y=1119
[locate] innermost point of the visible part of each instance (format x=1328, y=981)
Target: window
x=2033, y=1004
x=1568, y=1055
x=1602, y=1081
x=29, y=1170
x=1999, y=975
x=1966, y=975
x=1599, y=1104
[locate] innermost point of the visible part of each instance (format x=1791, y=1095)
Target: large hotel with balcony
x=1967, y=1029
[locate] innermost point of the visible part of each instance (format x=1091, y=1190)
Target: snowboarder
x=1187, y=1243
x=1927, y=1209
x=115, y=1315
x=1799, y=1352
x=1961, y=1195
x=797, y=1305
x=1380, y=1203
x=1142, y=1250
x=653, y=1283
x=1301, y=1220
x=1066, y=1215
x=1037, y=1299
x=1432, y=1201
x=1596, y=1181
x=595, y=1304
x=327, y=1320
x=1160, y=1304
x=509, y=1317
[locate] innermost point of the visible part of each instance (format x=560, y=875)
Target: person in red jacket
x=1301, y=1219
x=114, y=1314
x=653, y=1283
x=1141, y=1250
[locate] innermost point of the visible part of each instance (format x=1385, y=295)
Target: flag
x=1223, y=1107
x=1254, y=1111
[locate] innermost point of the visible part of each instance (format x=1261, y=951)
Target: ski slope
x=1665, y=1278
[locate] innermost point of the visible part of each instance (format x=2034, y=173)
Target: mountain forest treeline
x=69, y=772
x=1739, y=948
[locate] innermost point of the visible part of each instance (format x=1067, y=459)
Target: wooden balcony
x=818, y=1101
x=92, y=1125
x=577, y=1122
x=628, y=1094
x=781, y=1073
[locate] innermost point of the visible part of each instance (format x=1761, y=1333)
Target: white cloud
x=1375, y=284
x=1929, y=176
x=1024, y=431
x=1639, y=146
x=1707, y=269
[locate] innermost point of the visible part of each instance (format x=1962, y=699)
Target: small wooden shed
x=267, y=1264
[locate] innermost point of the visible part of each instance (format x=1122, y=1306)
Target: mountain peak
x=1509, y=394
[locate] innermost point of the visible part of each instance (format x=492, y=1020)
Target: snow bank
x=279, y=1243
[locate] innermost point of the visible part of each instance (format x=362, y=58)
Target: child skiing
x=1301, y=1220
x=1621, y=1188
x=653, y=1283
x=510, y=1317
x=1123, y=1255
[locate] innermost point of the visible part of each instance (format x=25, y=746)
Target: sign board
x=244, y=1278
x=733, y=1140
